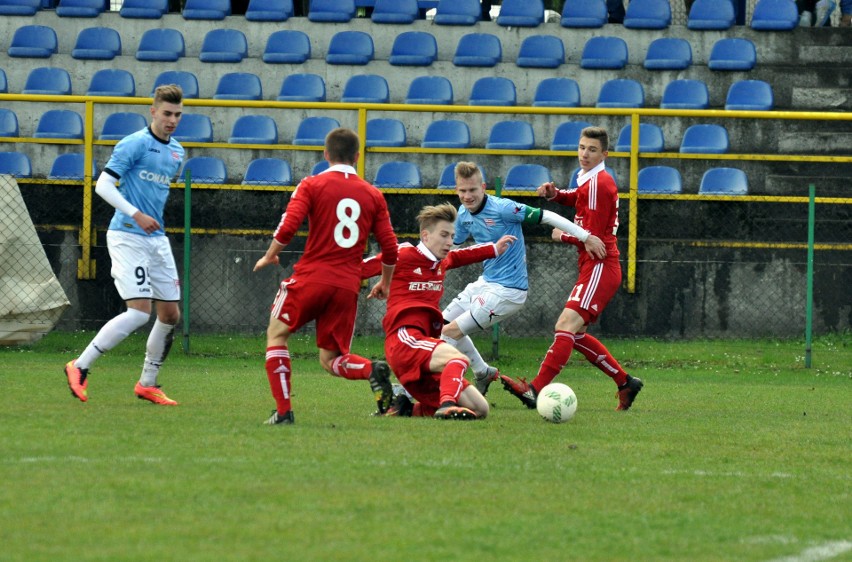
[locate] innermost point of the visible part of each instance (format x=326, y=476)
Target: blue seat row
x=715, y=181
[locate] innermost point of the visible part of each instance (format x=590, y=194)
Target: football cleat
x=380, y=383
x=627, y=392
x=78, y=382
x=522, y=389
x=153, y=394
x=281, y=419
x=484, y=379
x=452, y=411
x=401, y=406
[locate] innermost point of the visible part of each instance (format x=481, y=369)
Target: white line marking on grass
x=819, y=552
x=731, y=474
x=77, y=459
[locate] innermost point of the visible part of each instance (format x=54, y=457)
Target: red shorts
x=334, y=309
x=408, y=352
x=596, y=285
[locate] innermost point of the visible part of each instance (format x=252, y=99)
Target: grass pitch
x=733, y=451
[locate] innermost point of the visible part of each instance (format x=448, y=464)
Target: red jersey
x=596, y=202
x=418, y=284
x=342, y=211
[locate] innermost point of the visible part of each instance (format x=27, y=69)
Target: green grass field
x=733, y=451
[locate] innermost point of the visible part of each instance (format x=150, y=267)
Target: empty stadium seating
x=723, y=181
x=685, y=94
x=557, y=92
x=206, y=9
x=584, y=13
x=144, y=9
x=69, y=166
x=313, y=130
x=732, y=53
x=567, y=135
x=164, y=45
x=16, y=164
x=511, y=135
x=541, y=51
x=705, y=139
x=493, y=90
x=97, y=43
x=8, y=123
x=120, y=124
x=432, y=90
x=526, y=177
x=33, y=41
x=112, y=82
x=478, y=49
x=19, y=7
x=268, y=171
x=269, y=10
x=706, y=15
x=205, y=169
x=339, y=11
x=194, y=127
x=239, y=86
x=457, y=12
x=319, y=167
x=775, y=15
x=287, y=46
x=621, y=92
x=750, y=95
x=366, y=88
x=648, y=14
x=350, y=47
x=651, y=138
x=254, y=129
x=521, y=13
x=49, y=81
x=385, y=132
x=185, y=79
x=446, y=133
x=4, y=83
x=224, y=45
x=659, y=179
x=414, y=48
x=395, y=11
x=302, y=87
x=604, y=53
x=80, y=8
x=398, y=174
x=668, y=53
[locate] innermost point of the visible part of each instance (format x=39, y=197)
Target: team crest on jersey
x=489, y=222
x=175, y=156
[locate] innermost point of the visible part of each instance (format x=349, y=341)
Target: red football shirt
x=342, y=210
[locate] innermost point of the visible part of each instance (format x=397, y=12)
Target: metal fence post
x=809, y=305
x=187, y=246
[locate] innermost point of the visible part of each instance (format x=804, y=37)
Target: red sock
x=278, y=373
x=352, y=367
x=599, y=356
x=451, y=380
x=556, y=358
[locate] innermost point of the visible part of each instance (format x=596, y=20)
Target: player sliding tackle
x=431, y=370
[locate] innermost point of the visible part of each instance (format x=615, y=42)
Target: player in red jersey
x=342, y=210
x=429, y=368
x=596, y=203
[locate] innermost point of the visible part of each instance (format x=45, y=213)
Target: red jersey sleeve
x=566, y=197
x=383, y=231
x=601, y=216
x=294, y=214
x=371, y=267
x=470, y=254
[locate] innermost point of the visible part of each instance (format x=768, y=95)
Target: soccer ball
x=556, y=403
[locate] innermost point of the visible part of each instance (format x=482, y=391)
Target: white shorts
x=483, y=304
x=143, y=266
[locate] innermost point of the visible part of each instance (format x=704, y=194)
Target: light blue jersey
x=145, y=165
x=496, y=218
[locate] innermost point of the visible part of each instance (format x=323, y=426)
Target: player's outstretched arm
x=270, y=257
x=593, y=245
x=546, y=190
x=381, y=290
x=504, y=242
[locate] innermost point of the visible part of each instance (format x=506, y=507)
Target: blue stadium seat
x=112, y=82
x=650, y=138
x=48, y=80
x=205, y=169
x=340, y=11
x=557, y=92
x=567, y=135
x=432, y=90
x=604, y=52
x=395, y=11
x=648, y=14
x=584, y=13
x=446, y=133
x=194, y=127
x=398, y=174
x=19, y=7
x=541, y=51
x=206, y=9
x=350, y=47
x=4, y=83
x=493, y=90
x=708, y=15
x=511, y=135
x=621, y=92
x=572, y=183
x=723, y=181
x=313, y=130
x=775, y=15
x=239, y=86
x=8, y=123
x=144, y=9
x=668, y=53
x=98, y=43
x=164, y=45
x=224, y=45
x=287, y=46
x=705, y=139
x=268, y=171
x=448, y=176
x=16, y=164
x=366, y=88
x=33, y=41
x=302, y=87
x=732, y=53
x=457, y=12
x=414, y=48
x=385, y=132
x=70, y=167
x=685, y=94
x=659, y=179
x=319, y=167
x=254, y=129
x=750, y=95
x=183, y=78
x=269, y=10
x=521, y=13
x=478, y=49
x=80, y=8
x=120, y=124
x=526, y=177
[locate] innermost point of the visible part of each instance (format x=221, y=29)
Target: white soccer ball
x=556, y=403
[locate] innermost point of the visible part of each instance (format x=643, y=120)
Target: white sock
x=159, y=343
x=112, y=334
x=465, y=345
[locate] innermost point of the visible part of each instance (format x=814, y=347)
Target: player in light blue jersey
x=142, y=263
x=501, y=291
